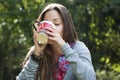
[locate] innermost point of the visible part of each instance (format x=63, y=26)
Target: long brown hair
x=47, y=64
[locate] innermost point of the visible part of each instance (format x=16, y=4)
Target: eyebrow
x=57, y=20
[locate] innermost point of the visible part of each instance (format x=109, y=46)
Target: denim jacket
x=80, y=67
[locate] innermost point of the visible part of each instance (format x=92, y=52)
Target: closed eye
x=57, y=24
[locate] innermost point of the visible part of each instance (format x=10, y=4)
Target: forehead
x=52, y=15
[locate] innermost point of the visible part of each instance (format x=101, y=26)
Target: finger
x=50, y=34
x=51, y=40
x=53, y=27
x=50, y=29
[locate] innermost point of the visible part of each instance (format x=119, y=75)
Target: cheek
x=60, y=30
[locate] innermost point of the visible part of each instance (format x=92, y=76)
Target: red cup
x=42, y=38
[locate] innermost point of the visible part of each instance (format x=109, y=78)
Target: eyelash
x=57, y=24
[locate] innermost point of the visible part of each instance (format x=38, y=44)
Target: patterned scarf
x=62, y=67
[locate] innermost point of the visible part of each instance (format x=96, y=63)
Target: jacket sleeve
x=80, y=60
x=29, y=70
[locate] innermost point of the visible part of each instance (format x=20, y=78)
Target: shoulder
x=79, y=44
x=80, y=47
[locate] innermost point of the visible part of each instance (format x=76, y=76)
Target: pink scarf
x=62, y=67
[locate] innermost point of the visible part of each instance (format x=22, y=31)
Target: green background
x=97, y=23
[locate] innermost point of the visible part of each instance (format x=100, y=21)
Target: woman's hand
x=54, y=38
x=38, y=47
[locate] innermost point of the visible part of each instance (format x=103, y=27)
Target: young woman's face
x=56, y=19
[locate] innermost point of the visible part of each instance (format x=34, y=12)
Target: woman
x=64, y=57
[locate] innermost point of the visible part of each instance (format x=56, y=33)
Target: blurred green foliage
x=107, y=75
x=97, y=23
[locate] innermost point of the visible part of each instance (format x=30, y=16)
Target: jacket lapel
x=69, y=75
